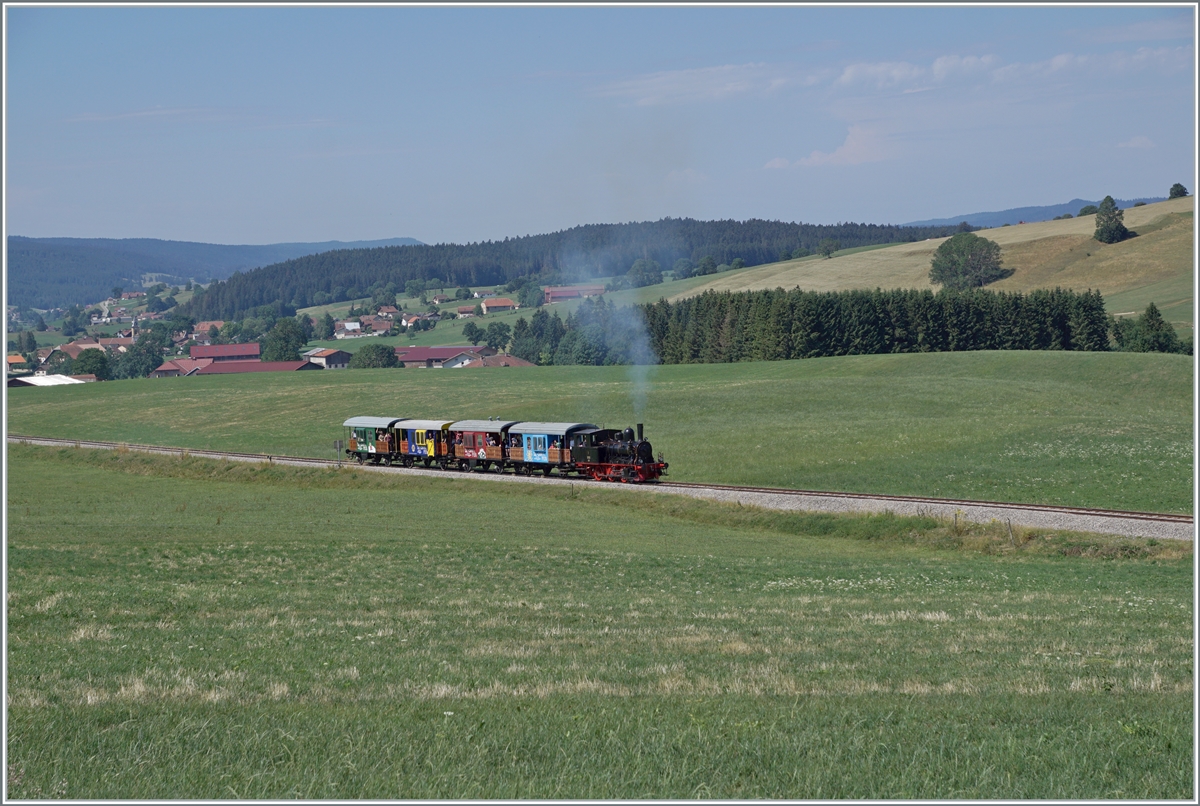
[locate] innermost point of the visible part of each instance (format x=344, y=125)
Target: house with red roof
x=180, y=366
x=559, y=293
x=330, y=358
x=498, y=304
x=440, y=357
x=497, y=361
x=237, y=367
x=227, y=352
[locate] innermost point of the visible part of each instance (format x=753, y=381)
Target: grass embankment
x=1157, y=266
x=281, y=632
x=1111, y=430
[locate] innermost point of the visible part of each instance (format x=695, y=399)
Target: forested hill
x=595, y=250
x=58, y=272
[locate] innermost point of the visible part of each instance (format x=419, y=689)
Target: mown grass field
x=1043, y=255
x=1111, y=430
x=252, y=632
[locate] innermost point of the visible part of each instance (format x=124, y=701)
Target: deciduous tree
x=374, y=356
x=1178, y=191
x=966, y=261
x=284, y=341
x=497, y=335
x=93, y=362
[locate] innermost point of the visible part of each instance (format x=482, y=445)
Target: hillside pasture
x=1110, y=430
x=267, y=632
x=1045, y=254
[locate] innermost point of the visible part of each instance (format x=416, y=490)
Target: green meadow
x=1110, y=430
x=187, y=628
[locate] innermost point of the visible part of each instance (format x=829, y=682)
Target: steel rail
x=1158, y=517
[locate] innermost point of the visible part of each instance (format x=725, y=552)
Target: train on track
x=526, y=448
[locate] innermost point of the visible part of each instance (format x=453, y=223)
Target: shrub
x=374, y=356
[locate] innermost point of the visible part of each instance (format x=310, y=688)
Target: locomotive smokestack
x=639, y=432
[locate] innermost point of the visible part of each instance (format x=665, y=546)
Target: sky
x=262, y=124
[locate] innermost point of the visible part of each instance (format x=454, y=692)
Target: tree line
x=580, y=253
x=776, y=325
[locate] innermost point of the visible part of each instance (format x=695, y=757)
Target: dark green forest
x=580, y=253
x=777, y=325
x=57, y=272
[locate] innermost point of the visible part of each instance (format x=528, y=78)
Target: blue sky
x=266, y=124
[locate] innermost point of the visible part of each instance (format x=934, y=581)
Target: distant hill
x=1016, y=215
x=57, y=272
x=1156, y=266
x=593, y=250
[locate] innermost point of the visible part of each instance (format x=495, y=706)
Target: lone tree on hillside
x=374, y=356
x=828, y=247
x=1178, y=191
x=1110, y=222
x=967, y=261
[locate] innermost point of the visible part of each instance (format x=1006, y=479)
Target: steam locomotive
x=603, y=454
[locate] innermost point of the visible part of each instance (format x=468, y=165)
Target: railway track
x=1131, y=524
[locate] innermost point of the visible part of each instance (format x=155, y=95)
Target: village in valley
x=92, y=339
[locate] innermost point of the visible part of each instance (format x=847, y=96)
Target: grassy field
x=1111, y=430
x=278, y=632
x=1044, y=255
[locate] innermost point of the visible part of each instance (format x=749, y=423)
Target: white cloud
x=1139, y=141
x=689, y=176
x=881, y=74
x=699, y=84
x=861, y=145
x=776, y=164
x=1164, y=59
x=1179, y=27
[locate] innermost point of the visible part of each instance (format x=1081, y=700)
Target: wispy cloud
x=1138, y=141
x=203, y=115
x=1179, y=27
x=861, y=145
x=156, y=112
x=700, y=84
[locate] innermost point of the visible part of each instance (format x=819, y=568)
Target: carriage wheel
x=358, y=458
x=408, y=462
x=387, y=461
x=463, y=465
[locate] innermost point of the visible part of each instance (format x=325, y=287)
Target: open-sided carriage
x=479, y=444
x=372, y=439
x=543, y=447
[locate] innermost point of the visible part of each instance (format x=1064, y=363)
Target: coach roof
x=491, y=426
x=548, y=428
x=372, y=422
x=425, y=425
